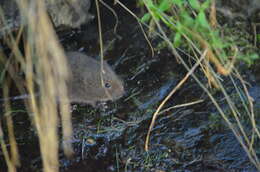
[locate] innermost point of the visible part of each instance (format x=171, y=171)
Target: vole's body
x=84, y=83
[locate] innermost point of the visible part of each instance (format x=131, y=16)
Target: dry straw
x=45, y=69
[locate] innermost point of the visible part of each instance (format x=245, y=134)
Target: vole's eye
x=107, y=85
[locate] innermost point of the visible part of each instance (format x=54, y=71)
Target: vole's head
x=88, y=84
x=112, y=86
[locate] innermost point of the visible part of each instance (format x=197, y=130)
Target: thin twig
x=169, y=96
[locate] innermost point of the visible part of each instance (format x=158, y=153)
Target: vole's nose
x=120, y=91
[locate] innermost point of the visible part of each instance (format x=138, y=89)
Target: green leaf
x=177, y=39
x=146, y=17
x=165, y=5
x=205, y=5
x=187, y=20
x=253, y=56
x=201, y=18
x=149, y=3
x=195, y=4
x=178, y=2
x=216, y=42
x=179, y=27
x=258, y=37
x=140, y=3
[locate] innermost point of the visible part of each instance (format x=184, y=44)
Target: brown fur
x=84, y=84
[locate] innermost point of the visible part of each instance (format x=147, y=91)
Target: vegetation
x=191, y=26
x=43, y=65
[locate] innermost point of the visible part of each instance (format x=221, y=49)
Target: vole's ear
x=105, y=63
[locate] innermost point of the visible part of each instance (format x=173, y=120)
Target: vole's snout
x=122, y=90
x=119, y=91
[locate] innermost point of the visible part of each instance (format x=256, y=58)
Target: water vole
x=84, y=83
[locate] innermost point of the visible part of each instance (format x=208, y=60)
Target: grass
x=185, y=24
x=43, y=64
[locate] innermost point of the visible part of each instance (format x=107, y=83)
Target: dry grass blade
x=45, y=69
x=234, y=123
x=138, y=20
x=179, y=106
x=156, y=113
x=10, y=128
x=50, y=77
x=114, y=14
x=10, y=165
x=213, y=16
